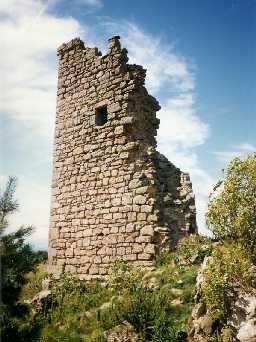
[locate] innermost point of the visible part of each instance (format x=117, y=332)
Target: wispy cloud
x=29, y=35
x=237, y=150
x=246, y=147
x=165, y=68
x=94, y=3
x=169, y=76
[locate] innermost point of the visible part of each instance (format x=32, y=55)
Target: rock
x=243, y=317
x=205, y=324
x=152, y=284
x=104, y=306
x=39, y=297
x=247, y=331
x=40, y=301
x=147, y=230
x=198, y=310
x=46, y=284
x=201, y=324
x=241, y=323
x=139, y=199
x=200, y=278
x=123, y=332
x=177, y=302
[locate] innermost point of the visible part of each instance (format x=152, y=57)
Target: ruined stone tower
x=113, y=195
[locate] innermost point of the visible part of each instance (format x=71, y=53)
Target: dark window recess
x=101, y=116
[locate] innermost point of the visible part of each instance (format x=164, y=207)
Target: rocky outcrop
x=40, y=301
x=123, y=332
x=243, y=318
x=241, y=323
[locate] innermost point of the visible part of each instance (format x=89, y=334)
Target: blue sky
x=200, y=57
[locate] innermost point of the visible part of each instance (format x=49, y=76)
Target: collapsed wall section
x=109, y=185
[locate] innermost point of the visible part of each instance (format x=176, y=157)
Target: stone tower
x=113, y=195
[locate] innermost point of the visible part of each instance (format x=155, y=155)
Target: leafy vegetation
x=231, y=212
x=231, y=216
x=194, y=248
x=156, y=303
x=33, y=282
x=17, y=258
x=227, y=272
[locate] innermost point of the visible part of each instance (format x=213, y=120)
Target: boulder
x=40, y=301
x=123, y=332
x=243, y=317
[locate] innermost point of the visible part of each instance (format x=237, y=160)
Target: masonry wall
x=113, y=195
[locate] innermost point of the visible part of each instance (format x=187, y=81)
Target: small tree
x=231, y=211
x=7, y=203
x=17, y=258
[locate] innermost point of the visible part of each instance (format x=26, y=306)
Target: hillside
x=166, y=303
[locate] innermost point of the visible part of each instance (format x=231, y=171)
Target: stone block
x=139, y=199
x=147, y=230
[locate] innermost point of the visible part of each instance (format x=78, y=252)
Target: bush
x=150, y=311
x=122, y=276
x=226, y=272
x=17, y=259
x=165, y=258
x=77, y=314
x=194, y=248
x=231, y=211
x=33, y=282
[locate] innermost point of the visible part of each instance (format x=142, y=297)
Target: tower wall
x=113, y=195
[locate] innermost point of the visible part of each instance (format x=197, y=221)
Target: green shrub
x=231, y=210
x=17, y=259
x=151, y=312
x=193, y=249
x=77, y=315
x=165, y=258
x=123, y=276
x=227, y=271
x=33, y=283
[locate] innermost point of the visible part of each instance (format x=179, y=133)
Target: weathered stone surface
x=123, y=332
x=113, y=194
x=40, y=301
x=241, y=321
x=243, y=317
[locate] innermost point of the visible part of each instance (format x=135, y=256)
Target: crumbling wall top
x=76, y=43
x=73, y=44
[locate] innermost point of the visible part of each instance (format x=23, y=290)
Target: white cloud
x=179, y=123
x=170, y=74
x=164, y=67
x=246, y=147
x=30, y=34
x=34, y=209
x=29, y=37
x=237, y=150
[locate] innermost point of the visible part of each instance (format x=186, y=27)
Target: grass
x=157, y=304
x=34, y=282
x=76, y=314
